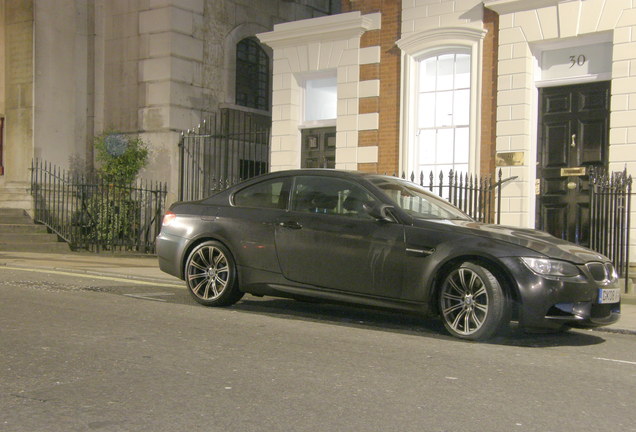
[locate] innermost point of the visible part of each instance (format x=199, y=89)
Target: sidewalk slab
x=139, y=267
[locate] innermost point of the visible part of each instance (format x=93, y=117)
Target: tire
x=210, y=274
x=472, y=303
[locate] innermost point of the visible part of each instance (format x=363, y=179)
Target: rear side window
x=268, y=194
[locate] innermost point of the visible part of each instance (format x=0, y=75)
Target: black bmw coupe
x=381, y=241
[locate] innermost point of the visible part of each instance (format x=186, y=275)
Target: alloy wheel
x=208, y=273
x=464, y=301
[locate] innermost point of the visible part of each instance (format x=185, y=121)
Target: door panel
x=328, y=240
x=573, y=133
x=553, y=219
x=342, y=254
x=591, y=134
x=557, y=136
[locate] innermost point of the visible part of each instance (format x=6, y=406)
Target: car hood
x=538, y=241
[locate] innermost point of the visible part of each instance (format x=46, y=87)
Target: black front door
x=573, y=137
x=319, y=148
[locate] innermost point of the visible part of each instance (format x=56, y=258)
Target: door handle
x=290, y=225
x=573, y=143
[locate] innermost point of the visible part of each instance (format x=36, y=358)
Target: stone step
x=20, y=220
x=12, y=212
x=21, y=204
x=16, y=195
x=15, y=201
x=59, y=247
x=27, y=237
x=18, y=233
x=22, y=228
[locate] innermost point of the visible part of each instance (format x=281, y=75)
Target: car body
x=384, y=242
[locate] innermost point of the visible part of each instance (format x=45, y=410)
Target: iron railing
x=91, y=213
x=478, y=197
x=228, y=147
x=610, y=206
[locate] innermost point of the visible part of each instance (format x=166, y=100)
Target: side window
x=270, y=194
x=330, y=196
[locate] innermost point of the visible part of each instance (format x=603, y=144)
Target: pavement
x=145, y=268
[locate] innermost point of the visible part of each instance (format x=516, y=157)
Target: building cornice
x=503, y=7
x=328, y=28
x=417, y=42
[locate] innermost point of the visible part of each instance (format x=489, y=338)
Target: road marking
x=91, y=276
x=150, y=296
x=615, y=361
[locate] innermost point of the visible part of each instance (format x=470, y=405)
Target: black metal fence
x=478, y=197
x=93, y=214
x=610, y=206
x=228, y=147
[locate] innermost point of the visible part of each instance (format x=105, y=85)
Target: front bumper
x=555, y=303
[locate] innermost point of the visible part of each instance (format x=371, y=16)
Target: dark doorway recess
x=318, y=148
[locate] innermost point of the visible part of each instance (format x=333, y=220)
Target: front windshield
x=417, y=201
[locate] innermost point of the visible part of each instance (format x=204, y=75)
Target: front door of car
x=328, y=240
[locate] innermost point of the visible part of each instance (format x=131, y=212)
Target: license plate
x=609, y=295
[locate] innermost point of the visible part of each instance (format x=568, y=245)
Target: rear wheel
x=472, y=303
x=210, y=274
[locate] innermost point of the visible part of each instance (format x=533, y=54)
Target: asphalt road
x=89, y=354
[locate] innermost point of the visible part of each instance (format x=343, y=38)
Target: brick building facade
x=531, y=87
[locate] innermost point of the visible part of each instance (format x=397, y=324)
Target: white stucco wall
x=305, y=48
x=526, y=28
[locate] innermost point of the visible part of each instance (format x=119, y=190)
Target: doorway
x=318, y=148
x=573, y=138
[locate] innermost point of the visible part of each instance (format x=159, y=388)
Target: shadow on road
x=403, y=323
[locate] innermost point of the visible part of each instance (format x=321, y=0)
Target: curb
x=103, y=274
x=614, y=330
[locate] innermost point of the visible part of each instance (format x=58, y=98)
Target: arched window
x=443, y=112
x=252, y=75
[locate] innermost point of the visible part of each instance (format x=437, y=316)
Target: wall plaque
x=503, y=159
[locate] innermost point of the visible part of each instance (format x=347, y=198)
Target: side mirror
x=379, y=211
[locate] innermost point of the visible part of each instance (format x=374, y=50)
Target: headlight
x=549, y=267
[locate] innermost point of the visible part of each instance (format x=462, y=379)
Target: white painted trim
x=317, y=124
x=510, y=6
x=414, y=48
x=328, y=28
x=574, y=80
x=420, y=43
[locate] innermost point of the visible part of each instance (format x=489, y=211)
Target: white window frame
x=418, y=46
x=417, y=149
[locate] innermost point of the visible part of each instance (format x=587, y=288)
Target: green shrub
x=114, y=214
x=120, y=157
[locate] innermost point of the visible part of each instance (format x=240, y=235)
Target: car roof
x=329, y=172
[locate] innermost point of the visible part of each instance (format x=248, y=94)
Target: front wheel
x=210, y=274
x=472, y=303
